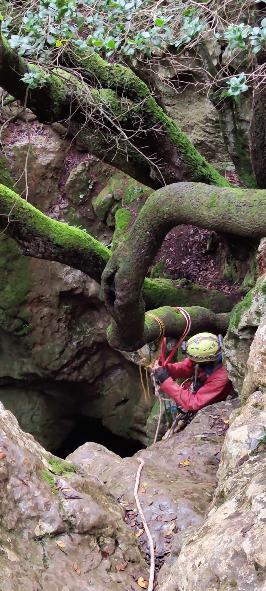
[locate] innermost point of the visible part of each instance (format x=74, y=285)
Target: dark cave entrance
x=89, y=429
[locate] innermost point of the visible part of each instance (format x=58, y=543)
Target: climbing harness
x=181, y=420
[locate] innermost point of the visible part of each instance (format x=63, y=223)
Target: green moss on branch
x=46, y=238
x=126, y=83
x=234, y=211
x=180, y=292
x=123, y=218
x=42, y=237
x=174, y=324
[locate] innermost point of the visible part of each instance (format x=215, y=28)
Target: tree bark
x=113, y=114
x=173, y=322
x=42, y=237
x=240, y=212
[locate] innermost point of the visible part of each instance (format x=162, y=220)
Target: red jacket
x=215, y=388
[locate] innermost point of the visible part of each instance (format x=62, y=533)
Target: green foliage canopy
x=131, y=29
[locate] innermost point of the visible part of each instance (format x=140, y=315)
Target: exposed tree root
x=241, y=212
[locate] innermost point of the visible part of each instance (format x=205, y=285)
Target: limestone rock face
x=55, y=362
x=177, y=482
x=256, y=366
x=245, y=320
x=59, y=528
x=63, y=367
x=175, y=82
x=228, y=551
x=38, y=152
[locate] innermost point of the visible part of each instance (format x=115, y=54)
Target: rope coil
x=159, y=321
x=186, y=330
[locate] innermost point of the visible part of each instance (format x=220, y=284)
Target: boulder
x=60, y=529
x=36, y=156
x=177, y=482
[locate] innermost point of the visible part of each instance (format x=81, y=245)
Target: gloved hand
x=160, y=374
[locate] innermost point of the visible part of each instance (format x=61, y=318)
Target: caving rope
x=146, y=527
x=163, y=361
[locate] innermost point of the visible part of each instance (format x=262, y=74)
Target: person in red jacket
x=206, y=379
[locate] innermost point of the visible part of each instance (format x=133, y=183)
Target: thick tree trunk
x=42, y=237
x=233, y=211
x=114, y=115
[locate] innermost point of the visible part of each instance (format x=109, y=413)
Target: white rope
x=159, y=420
x=157, y=394
x=146, y=528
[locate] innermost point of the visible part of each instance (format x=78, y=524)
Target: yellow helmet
x=203, y=347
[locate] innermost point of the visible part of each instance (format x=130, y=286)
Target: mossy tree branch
x=45, y=238
x=176, y=157
x=174, y=324
x=110, y=111
x=42, y=237
x=241, y=212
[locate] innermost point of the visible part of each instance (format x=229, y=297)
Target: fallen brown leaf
x=2, y=455
x=142, y=583
x=77, y=568
x=185, y=462
x=139, y=533
x=61, y=545
x=170, y=530
x=121, y=566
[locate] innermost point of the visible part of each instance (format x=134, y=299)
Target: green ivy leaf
x=111, y=44
x=159, y=22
